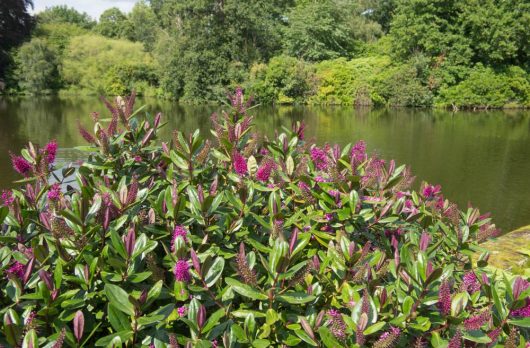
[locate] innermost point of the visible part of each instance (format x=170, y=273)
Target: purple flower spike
x=431, y=191
x=444, y=298
x=240, y=163
x=471, y=283
x=20, y=165
x=320, y=158
x=55, y=192
x=17, y=270
x=7, y=198
x=51, y=151
x=182, y=271
x=337, y=325
x=265, y=170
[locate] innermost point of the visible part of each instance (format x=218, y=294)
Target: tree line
x=356, y=52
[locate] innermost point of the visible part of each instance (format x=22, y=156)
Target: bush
x=349, y=82
x=241, y=244
x=485, y=88
x=36, y=67
x=89, y=59
x=284, y=80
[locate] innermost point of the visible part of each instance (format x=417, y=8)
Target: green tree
x=15, y=25
x=113, y=23
x=206, y=42
x=144, y=25
x=65, y=14
x=36, y=67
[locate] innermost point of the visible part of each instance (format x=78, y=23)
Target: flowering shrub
x=241, y=241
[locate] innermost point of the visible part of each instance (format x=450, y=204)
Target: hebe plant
x=240, y=242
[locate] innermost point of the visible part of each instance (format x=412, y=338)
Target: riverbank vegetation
x=241, y=241
x=455, y=54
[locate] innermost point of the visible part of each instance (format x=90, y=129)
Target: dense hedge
x=240, y=241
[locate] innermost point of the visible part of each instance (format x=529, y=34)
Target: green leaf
x=296, y=298
x=476, y=336
x=215, y=271
x=119, y=298
x=305, y=337
x=123, y=336
x=327, y=338
x=118, y=320
x=374, y=328
x=525, y=322
x=213, y=320
x=261, y=343
x=30, y=340
x=245, y=290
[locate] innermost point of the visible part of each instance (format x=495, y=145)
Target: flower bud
x=201, y=316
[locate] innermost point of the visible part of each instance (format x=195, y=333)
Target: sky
x=93, y=7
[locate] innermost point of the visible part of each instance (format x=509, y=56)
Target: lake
x=477, y=157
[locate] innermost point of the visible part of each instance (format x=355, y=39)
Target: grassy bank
x=511, y=251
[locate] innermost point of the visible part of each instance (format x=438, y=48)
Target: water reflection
x=483, y=158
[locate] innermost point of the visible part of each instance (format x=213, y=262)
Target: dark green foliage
x=36, y=71
x=199, y=244
x=65, y=14
x=114, y=24
x=15, y=25
x=328, y=29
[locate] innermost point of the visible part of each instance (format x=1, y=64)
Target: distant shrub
x=91, y=61
x=485, y=88
x=284, y=80
x=236, y=243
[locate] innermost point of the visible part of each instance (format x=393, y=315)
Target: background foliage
x=292, y=51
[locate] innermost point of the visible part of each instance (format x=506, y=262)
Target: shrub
x=284, y=80
x=241, y=244
x=485, y=88
x=88, y=58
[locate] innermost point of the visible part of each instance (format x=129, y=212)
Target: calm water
x=482, y=157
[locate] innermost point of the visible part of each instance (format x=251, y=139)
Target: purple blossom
x=303, y=186
x=358, y=153
x=17, y=269
x=214, y=344
x=444, y=298
x=179, y=231
x=493, y=335
x=337, y=325
x=55, y=192
x=264, y=171
x=409, y=208
x=263, y=151
x=475, y=322
x=182, y=311
x=20, y=165
x=51, y=151
x=470, y=282
x=7, y=197
x=388, y=338
x=523, y=312
x=328, y=216
x=240, y=163
x=431, y=191
x=456, y=341
x=182, y=271
x=320, y=158
x=321, y=179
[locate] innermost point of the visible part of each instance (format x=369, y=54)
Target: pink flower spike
x=51, y=151
x=182, y=271
x=20, y=165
